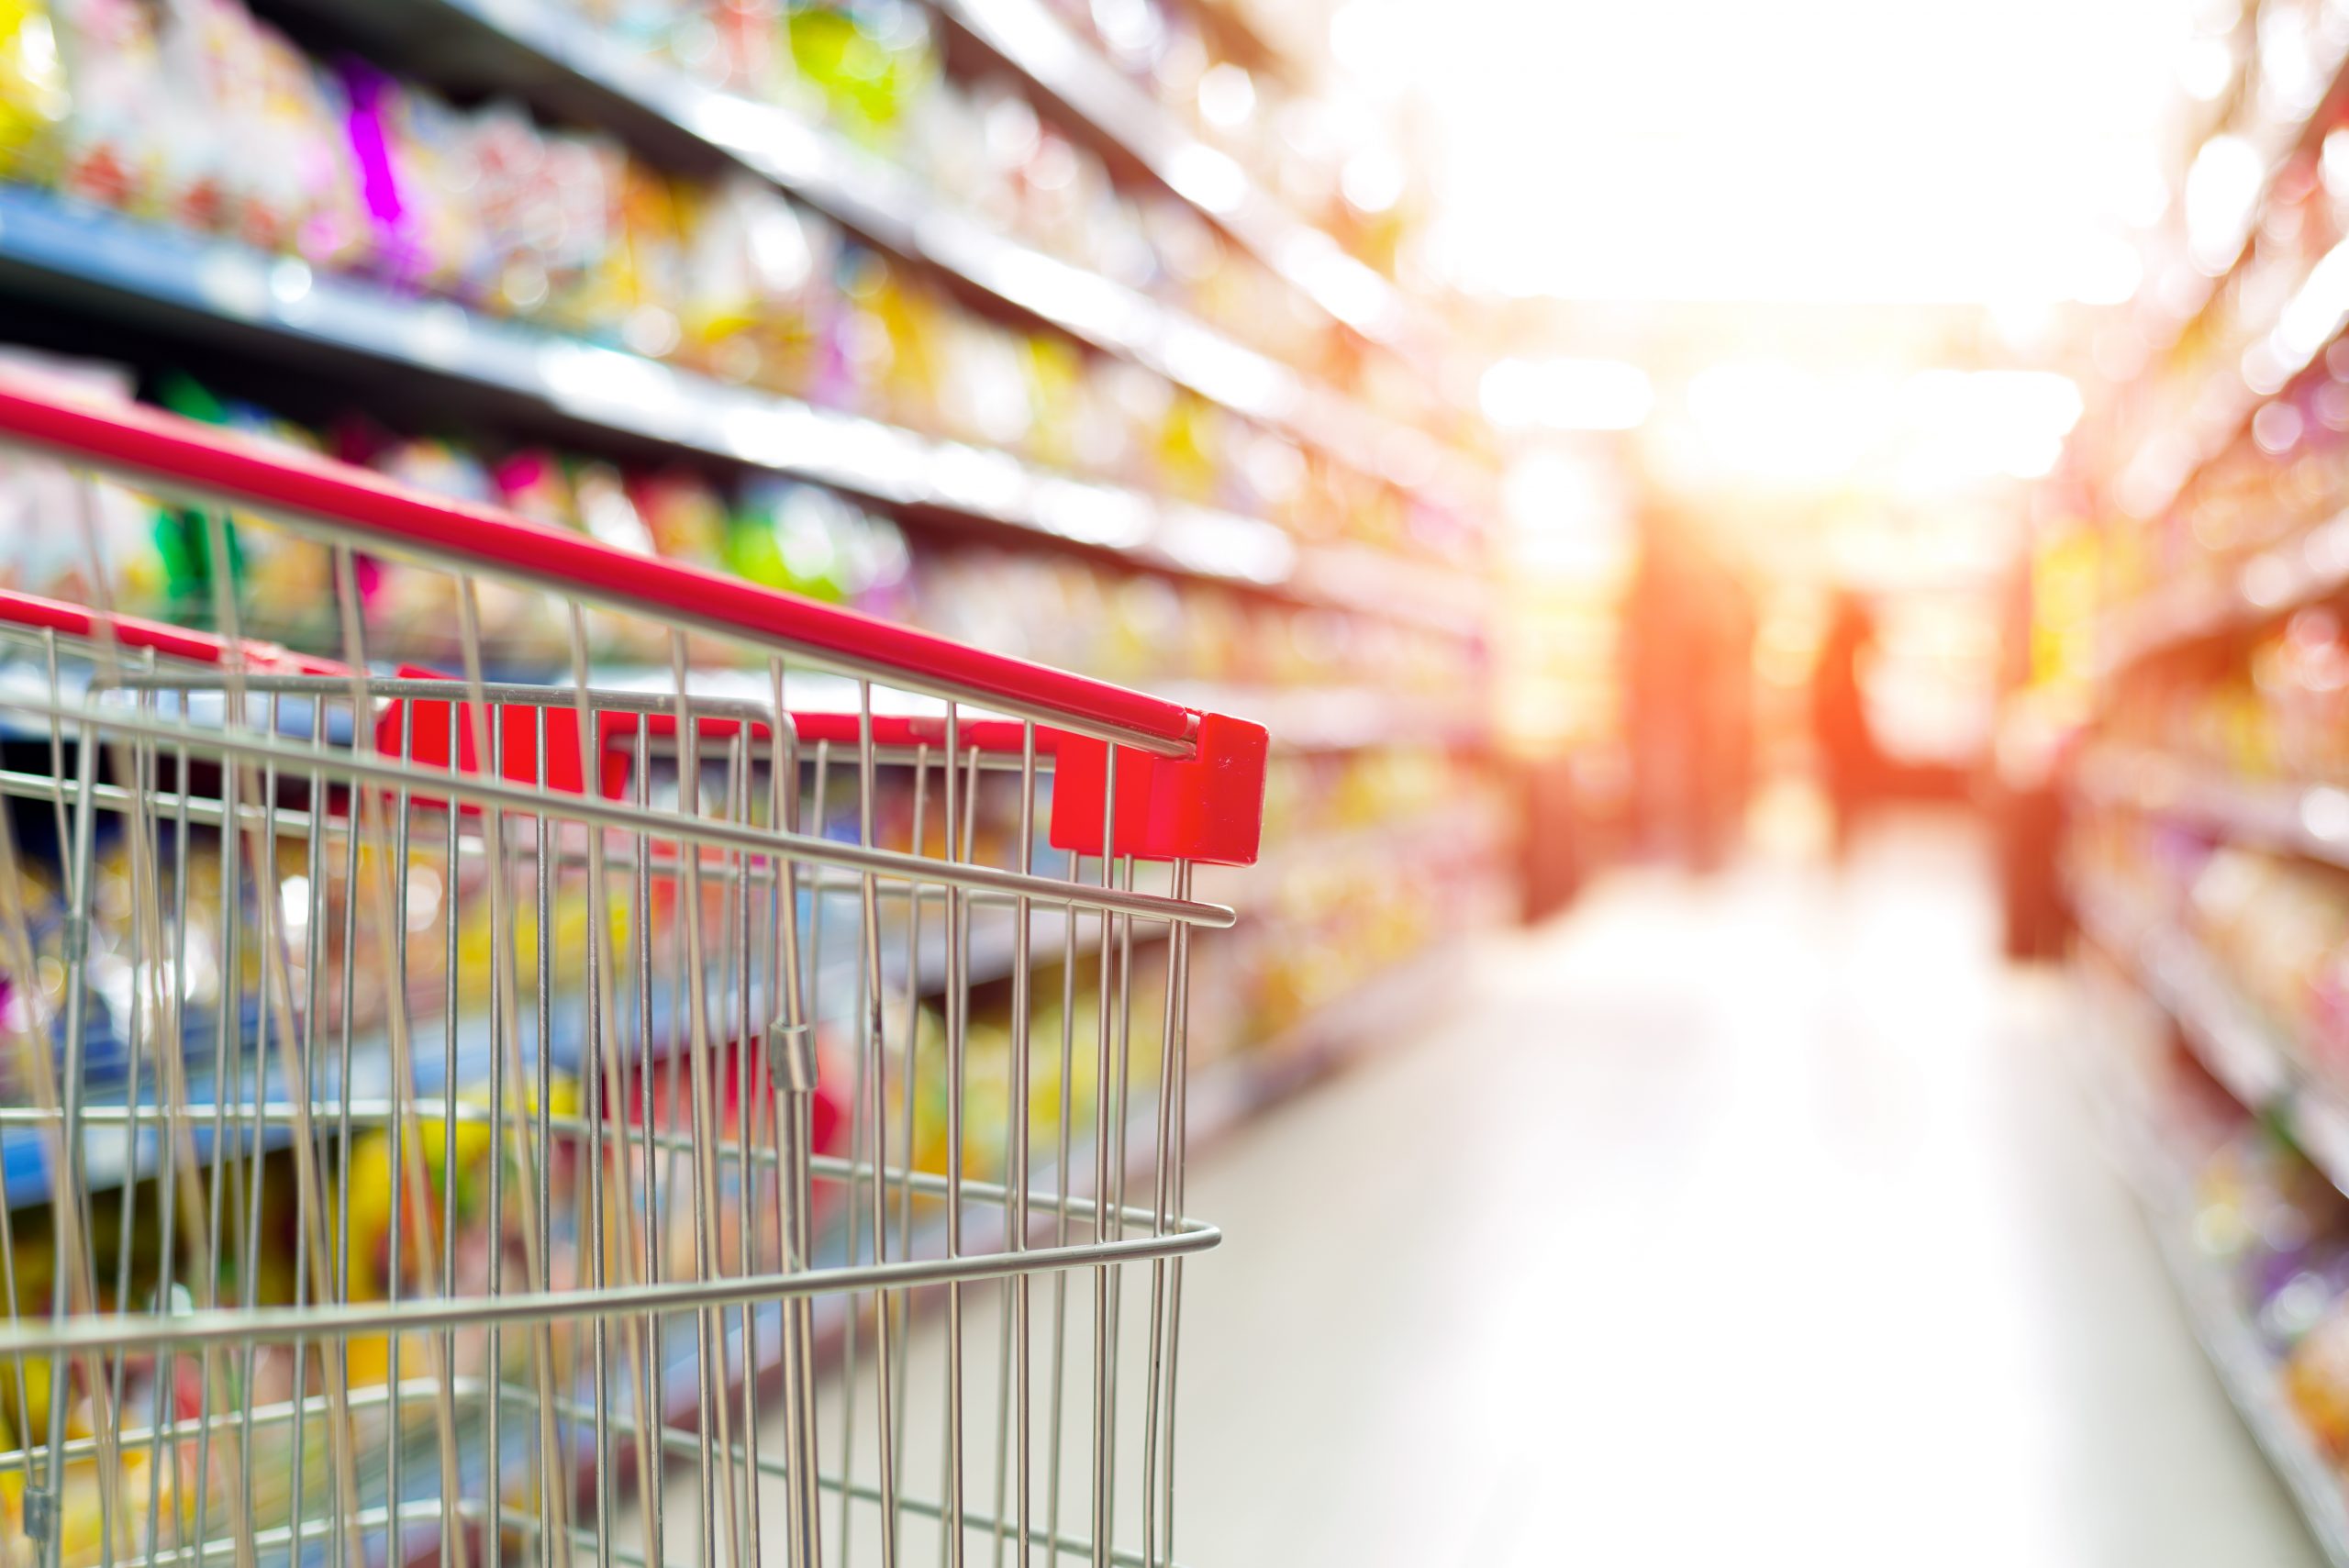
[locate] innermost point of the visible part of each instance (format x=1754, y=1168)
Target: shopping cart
x=501, y=1094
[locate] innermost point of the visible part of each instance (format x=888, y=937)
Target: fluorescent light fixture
x=1566, y=394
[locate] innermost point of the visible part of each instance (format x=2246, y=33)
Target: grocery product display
x=1061, y=609
x=1158, y=86
x=2236, y=1152
x=908, y=334
x=2186, y=592
x=575, y=231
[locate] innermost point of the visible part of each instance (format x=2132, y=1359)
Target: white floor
x=1750, y=1221
x=1756, y=1222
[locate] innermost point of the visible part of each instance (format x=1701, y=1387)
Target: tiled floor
x=1759, y=1221
x=1754, y=1221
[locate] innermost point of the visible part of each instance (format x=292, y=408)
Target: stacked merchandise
x=1235, y=90
x=2187, y=596
x=1066, y=609
x=872, y=74
x=137, y=110
x=132, y=118
x=2245, y=267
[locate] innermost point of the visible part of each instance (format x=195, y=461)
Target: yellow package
x=33, y=98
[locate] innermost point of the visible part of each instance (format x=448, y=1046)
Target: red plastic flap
x=1209, y=808
x=426, y=721
x=516, y=743
x=993, y=735
x=1206, y=808
x=997, y=735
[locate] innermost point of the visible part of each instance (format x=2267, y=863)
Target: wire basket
x=511, y=1110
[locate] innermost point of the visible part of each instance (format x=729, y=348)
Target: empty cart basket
x=616, y=1064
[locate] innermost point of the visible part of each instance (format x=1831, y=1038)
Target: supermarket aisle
x=1752, y=1221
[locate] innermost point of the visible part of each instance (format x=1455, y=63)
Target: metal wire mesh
x=513, y=1114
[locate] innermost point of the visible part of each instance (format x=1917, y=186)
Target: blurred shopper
x=1850, y=765
x=1687, y=651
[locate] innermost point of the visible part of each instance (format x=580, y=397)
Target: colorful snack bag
x=415, y=160
x=113, y=62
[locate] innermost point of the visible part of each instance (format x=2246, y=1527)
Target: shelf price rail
x=467, y=1303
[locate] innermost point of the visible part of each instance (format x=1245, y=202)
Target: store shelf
x=107, y=1149
x=2221, y=411
x=516, y=45
x=2238, y=1045
x=2174, y=975
x=2308, y=567
x=2249, y=1375
x=139, y=271
x=2277, y=142
x=1230, y=1092
x=2250, y=1379
x=2302, y=820
x=1029, y=38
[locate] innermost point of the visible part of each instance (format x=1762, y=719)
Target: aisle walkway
x=1757, y=1221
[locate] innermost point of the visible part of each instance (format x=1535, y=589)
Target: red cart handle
x=1190, y=786
x=162, y=449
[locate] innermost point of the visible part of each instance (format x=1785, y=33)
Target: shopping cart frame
x=1143, y=779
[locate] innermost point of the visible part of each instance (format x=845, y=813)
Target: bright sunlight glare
x=1565, y=394
x=1811, y=150
x=1780, y=420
